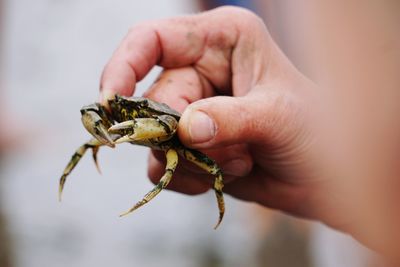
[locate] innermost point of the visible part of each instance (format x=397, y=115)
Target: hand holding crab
x=243, y=104
x=242, y=101
x=248, y=107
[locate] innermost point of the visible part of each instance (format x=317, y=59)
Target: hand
x=244, y=104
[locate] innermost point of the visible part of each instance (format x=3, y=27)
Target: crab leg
x=172, y=161
x=209, y=165
x=94, y=144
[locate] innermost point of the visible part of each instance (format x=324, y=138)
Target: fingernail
x=106, y=94
x=236, y=167
x=201, y=127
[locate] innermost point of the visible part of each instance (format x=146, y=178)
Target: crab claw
x=94, y=125
x=122, y=126
x=123, y=139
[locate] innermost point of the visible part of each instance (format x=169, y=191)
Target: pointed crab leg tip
x=125, y=213
x=129, y=211
x=98, y=168
x=219, y=222
x=60, y=191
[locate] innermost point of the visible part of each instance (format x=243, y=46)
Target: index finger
x=170, y=43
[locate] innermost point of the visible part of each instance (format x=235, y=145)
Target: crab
x=141, y=121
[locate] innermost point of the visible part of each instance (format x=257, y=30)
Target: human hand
x=243, y=102
x=265, y=132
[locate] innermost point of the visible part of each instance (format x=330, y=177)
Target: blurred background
x=52, y=55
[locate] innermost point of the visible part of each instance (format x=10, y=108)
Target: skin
x=245, y=105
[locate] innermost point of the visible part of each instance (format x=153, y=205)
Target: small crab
x=141, y=121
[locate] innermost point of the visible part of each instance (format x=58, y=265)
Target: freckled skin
x=141, y=121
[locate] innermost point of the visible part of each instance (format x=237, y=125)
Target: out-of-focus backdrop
x=52, y=56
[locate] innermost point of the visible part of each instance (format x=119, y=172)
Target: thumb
x=223, y=120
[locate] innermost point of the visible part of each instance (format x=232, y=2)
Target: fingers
x=182, y=181
x=273, y=193
x=169, y=43
x=235, y=161
x=145, y=46
x=207, y=41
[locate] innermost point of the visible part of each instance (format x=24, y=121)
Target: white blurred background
x=53, y=55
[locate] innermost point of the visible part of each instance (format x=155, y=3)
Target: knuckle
x=241, y=14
